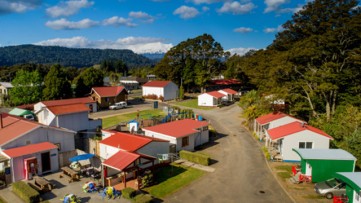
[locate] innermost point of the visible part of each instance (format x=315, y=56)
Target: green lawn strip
x=313, y=197
x=170, y=180
x=284, y=168
x=2, y=200
x=193, y=103
x=284, y=175
x=145, y=114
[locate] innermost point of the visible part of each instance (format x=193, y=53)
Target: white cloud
x=204, y=1
x=236, y=7
x=274, y=5
x=240, y=51
x=186, y=12
x=205, y=8
x=18, y=6
x=271, y=30
x=136, y=44
x=142, y=15
x=68, y=8
x=119, y=21
x=64, y=24
x=243, y=29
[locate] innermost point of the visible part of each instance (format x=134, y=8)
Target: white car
x=118, y=105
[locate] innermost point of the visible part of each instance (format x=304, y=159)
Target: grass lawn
x=171, y=179
x=284, y=175
x=2, y=200
x=284, y=168
x=114, y=120
x=193, y=103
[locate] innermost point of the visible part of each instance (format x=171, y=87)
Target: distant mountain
x=154, y=56
x=76, y=57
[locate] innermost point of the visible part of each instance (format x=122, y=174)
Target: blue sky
x=143, y=25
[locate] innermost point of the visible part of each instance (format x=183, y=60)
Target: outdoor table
x=70, y=172
x=42, y=183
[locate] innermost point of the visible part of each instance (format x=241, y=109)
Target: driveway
x=241, y=175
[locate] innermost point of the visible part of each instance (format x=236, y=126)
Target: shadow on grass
x=164, y=173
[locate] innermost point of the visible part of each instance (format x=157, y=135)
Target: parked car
x=330, y=188
x=118, y=105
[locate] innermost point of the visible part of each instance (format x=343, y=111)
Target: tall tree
x=184, y=61
x=56, y=84
x=88, y=78
x=27, y=87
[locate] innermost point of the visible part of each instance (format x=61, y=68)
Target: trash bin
x=155, y=104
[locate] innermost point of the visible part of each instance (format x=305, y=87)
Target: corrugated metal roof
x=29, y=149
x=108, y=91
x=325, y=154
x=68, y=109
x=19, y=112
x=292, y=128
x=121, y=160
x=270, y=117
x=178, y=128
x=215, y=94
x=229, y=91
x=83, y=100
x=156, y=83
x=126, y=142
x=6, y=84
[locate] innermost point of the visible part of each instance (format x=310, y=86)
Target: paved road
x=241, y=175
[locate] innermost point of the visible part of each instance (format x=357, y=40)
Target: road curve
x=241, y=175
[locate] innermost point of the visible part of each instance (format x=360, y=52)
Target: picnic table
x=71, y=173
x=43, y=183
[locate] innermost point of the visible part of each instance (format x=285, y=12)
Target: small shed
x=322, y=164
x=353, y=185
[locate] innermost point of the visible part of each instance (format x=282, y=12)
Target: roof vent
x=303, y=124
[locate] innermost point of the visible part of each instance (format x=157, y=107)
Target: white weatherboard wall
x=201, y=138
x=292, y=141
x=45, y=134
x=227, y=97
x=206, y=100
x=169, y=92
x=107, y=151
x=173, y=140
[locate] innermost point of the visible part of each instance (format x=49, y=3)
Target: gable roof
x=178, y=128
x=229, y=91
x=156, y=83
x=270, y=117
x=126, y=142
x=121, y=160
x=215, y=94
x=292, y=128
x=112, y=91
x=68, y=109
x=83, y=100
x=6, y=84
x=29, y=149
x=14, y=127
x=324, y=154
x=225, y=82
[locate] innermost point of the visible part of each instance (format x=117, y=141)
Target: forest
x=75, y=57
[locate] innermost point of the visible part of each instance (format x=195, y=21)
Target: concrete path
x=241, y=173
x=194, y=165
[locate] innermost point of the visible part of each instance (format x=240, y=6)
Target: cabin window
x=305, y=145
x=28, y=142
x=185, y=141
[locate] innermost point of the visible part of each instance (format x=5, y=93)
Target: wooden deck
x=130, y=183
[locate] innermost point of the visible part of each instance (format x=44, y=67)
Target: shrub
x=128, y=193
x=143, y=198
x=25, y=192
x=161, y=98
x=195, y=157
x=151, y=96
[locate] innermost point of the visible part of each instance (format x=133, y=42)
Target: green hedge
x=143, y=198
x=195, y=157
x=128, y=193
x=25, y=192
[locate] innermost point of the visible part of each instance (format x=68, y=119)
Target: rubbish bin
x=155, y=104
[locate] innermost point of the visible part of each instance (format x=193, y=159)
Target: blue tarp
x=81, y=157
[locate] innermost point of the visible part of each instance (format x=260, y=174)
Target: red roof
x=126, y=142
x=216, y=94
x=225, y=82
x=121, y=160
x=29, y=149
x=108, y=91
x=292, y=128
x=156, y=83
x=14, y=127
x=229, y=91
x=178, y=128
x=83, y=100
x=270, y=117
x=68, y=109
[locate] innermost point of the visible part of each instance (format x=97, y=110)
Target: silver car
x=330, y=188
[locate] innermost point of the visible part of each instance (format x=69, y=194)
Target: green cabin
x=322, y=164
x=353, y=185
